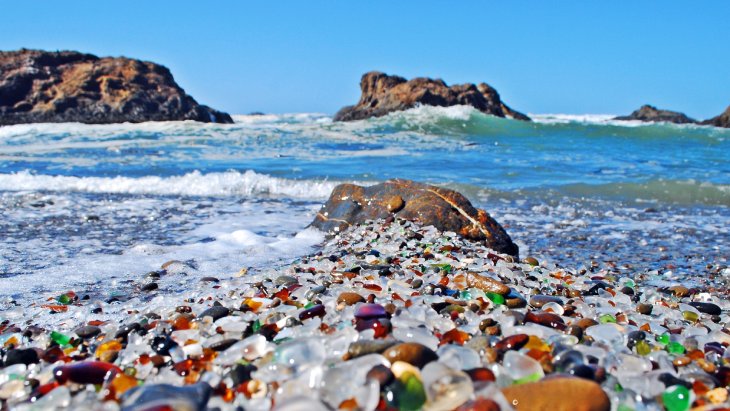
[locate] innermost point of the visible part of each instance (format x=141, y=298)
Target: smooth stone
x=150, y=286
x=545, y=318
x=558, y=394
x=645, y=309
x=241, y=373
x=88, y=331
x=395, y=204
x=286, y=280
x=531, y=261
x=27, y=357
x=585, y=323
x=514, y=301
x=365, y=347
x=707, y=308
x=539, y=300
x=486, y=284
x=209, y=280
x=126, y=329
x=216, y=312
x=164, y=396
x=381, y=374
x=412, y=353
x=679, y=291
x=223, y=345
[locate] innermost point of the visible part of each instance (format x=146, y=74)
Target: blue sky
x=294, y=56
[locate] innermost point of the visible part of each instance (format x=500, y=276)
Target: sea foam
x=230, y=183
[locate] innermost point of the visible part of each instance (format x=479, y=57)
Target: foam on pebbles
x=388, y=315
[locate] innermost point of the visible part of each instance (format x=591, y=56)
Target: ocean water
x=93, y=208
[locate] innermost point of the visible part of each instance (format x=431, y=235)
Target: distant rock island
x=652, y=114
x=383, y=94
x=723, y=120
x=67, y=86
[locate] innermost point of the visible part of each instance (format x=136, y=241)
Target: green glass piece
x=607, y=318
x=618, y=388
x=465, y=295
x=690, y=316
x=496, y=298
x=663, y=339
x=529, y=378
x=676, y=398
x=309, y=305
x=256, y=326
x=64, y=299
x=630, y=283
x=624, y=407
x=675, y=348
x=643, y=348
x=60, y=339
x=410, y=395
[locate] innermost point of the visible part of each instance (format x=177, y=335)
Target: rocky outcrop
x=383, y=94
x=723, y=120
x=39, y=86
x=445, y=209
x=651, y=114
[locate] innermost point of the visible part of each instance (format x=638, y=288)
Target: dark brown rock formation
x=445, y=209
x=651, y=114
x=723, y=120
x=39, y=86
x=383, y=94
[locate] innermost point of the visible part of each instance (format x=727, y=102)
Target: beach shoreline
x=271, y=337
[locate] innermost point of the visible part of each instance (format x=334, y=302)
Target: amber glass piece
x=455, y=336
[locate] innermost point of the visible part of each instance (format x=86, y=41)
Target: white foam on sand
x=236, y=239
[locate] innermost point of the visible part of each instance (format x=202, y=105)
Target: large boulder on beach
x=723, y=120
x=651, y=114
x=447, y=210
x=67, y=86
x=383, y=94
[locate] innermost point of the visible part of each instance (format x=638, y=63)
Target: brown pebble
x=381, y=374
x=585, y=323
x=539, y=300
x=209, y=280
x=350, y=298
x=532, y=261
x=679, y=291
x=365, y=347
x=395, y=204
x=513, y=342
x=87, y=331
x=558, y=394
x=513, y=300
x=486, y=284
x=644, y=309
x=390, y=308
x=412, y=353
x=171, y=262
x=223, y=345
